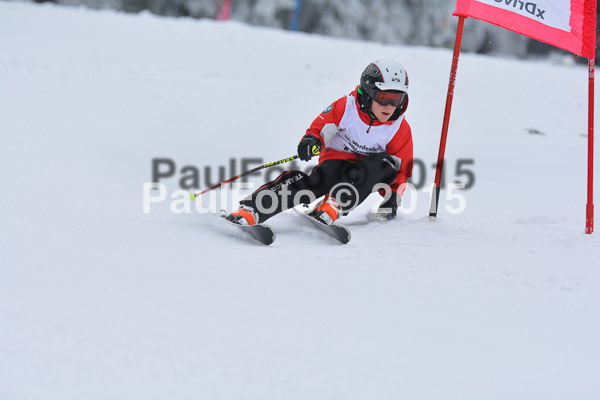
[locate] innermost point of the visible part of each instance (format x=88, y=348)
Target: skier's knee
x=384, y=164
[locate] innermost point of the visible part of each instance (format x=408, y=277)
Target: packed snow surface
x=498, y=299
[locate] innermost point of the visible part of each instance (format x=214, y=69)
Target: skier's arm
x=401, y=147
x=326, y=125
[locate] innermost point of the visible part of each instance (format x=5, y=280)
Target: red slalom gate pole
x=222, y=10
x=435, y=194
x=589, y=214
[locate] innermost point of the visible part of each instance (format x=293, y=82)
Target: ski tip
x=271, y=241
x=269, y=234
x=262, y=233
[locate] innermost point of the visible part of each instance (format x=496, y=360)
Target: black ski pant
x=349, y=182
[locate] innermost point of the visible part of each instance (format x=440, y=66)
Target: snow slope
x=99, y=300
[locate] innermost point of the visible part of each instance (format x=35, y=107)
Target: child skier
x=362, y=140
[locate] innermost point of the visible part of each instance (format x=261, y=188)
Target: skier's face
x=383, y=113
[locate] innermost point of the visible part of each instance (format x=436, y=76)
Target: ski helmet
x=386, y=82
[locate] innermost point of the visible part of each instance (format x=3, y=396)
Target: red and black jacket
x=400, y=146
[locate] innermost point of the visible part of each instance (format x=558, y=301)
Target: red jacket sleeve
x=323, y=123
x=401, y=146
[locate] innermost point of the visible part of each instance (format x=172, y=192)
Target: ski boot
x=246, y=215
x=327, y=212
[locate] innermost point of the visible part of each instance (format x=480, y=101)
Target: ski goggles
x=386, y=98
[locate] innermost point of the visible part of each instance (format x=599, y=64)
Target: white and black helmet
x=384, y=76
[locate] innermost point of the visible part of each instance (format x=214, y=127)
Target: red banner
x=570, y=25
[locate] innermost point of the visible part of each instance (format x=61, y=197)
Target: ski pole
x=193, y=196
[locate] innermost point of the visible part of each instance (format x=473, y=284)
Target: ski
x=337, y=231
x=260, y=232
